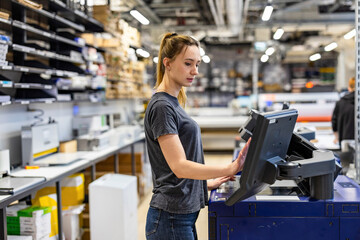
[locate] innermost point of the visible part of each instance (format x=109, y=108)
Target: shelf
x=6, y=84
x=53, y=100
x=5, y=21
x=5, y=103
x=6, y=67
x=68, y=41
x=59, y=73
x=5, y=42
x=50, y=35
x=44, y=54
x=66, y=88
x=78, y=27
x=100, y=49
x=125, y=81
x=53, y=17
x=94, y=61
x=76, y=16
x=40, y=11
x=33, y=86
x=38, y=100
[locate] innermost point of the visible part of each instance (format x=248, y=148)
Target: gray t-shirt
x=163, y=116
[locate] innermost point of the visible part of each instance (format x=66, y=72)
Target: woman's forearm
x=189, y=169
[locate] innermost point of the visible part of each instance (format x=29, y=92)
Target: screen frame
x=269, y=142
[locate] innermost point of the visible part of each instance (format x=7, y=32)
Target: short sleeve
x=163, y=119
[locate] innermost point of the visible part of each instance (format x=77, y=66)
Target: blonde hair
x=352, y=84
x=170, y=47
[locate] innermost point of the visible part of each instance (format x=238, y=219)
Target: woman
x=175, y=147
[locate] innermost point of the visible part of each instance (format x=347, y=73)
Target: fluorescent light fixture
x=270, y=51
x=264, y=58
x=315, y=57
x=267, y=13
x=202, y=52
x=278, y=34
x=206, y=59
x=331, y=46
x=350, y=34
x=138, y=16
x=155, y=59
x=131, y=51
x=142, y=53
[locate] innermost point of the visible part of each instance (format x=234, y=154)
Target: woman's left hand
x=215, y=183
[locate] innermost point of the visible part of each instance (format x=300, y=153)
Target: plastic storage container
x=113, y=207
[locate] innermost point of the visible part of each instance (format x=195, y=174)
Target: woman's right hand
x=239, y=162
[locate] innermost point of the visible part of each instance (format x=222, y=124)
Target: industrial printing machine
x=288, y=189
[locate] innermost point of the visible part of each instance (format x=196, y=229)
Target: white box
x=14, y=237
x=113, y=207
x=71, y=225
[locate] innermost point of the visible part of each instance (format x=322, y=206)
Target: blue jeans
x=169, y=226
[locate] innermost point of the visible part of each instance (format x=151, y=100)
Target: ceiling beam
x=329, y=21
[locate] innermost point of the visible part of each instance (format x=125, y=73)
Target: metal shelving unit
x=58, y=15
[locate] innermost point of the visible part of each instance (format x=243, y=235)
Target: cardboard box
x=50, y=201
x=124, y=163
x=35, y=221
x=68, y=146
x=72, y=190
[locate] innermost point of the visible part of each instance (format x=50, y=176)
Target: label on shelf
x=6, y=84
x=59, y=73
x=46, y=34
x=5, y=103
x=4, y=21
x=23, y=48
x=6, y=67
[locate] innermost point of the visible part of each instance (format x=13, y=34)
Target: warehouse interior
x=76, y=78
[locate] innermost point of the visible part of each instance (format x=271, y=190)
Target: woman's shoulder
x=162, y=100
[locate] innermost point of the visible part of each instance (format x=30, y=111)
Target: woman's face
x=185, y=66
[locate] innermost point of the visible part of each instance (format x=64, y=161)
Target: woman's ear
x=166, y=62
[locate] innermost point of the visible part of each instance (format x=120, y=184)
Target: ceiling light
x=267, y=13
x=278, y=34
x=264, y=58
x=156, y=59
x=315, y=57
x=142, y=53
x=270, y=51
x=206, y=59
x=350, y=34
x=331, y=46
x=138, y=16
x=131, y=51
